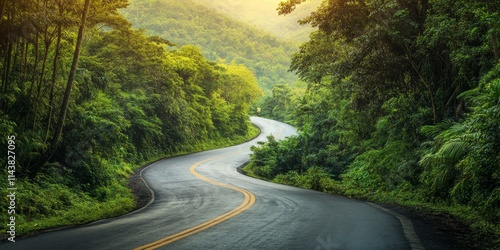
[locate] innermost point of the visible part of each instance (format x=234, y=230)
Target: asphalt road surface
x=202, y=202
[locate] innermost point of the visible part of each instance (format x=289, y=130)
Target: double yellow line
x=246, y=204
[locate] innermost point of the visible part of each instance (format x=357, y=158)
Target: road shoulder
x=437, y=231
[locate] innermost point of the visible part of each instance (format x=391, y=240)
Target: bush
x=314, y=178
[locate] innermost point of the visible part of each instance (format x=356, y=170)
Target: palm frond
x=436, y=129
x=456, y=129
x=452, y=151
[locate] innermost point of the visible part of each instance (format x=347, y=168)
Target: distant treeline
x=219, y=37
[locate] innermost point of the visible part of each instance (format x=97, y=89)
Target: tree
x=71, y=77
x=277, y=106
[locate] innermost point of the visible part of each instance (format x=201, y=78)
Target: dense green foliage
x=280, y=102
x=219, y=37
x=402, y=105
x=81, y=130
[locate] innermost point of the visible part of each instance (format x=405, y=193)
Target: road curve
x=202, y=202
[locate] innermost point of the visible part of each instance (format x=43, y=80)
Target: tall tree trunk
x=2, y=9
x=5, y=76
x=35, y=65
x=25, y=60
x=69, y=85
x=47, y=43
x=17, y=62
x=4, y=70
x=34, y=169
x=427, y=86
x=44, y=63
x=53, y=80
x=495, y=46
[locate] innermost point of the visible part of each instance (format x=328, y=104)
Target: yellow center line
x=246, y=204
x=281, y=132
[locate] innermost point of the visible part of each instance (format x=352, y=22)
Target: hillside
x=220, y=38
x=263, y=15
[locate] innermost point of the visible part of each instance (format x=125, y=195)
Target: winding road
x=202, y=202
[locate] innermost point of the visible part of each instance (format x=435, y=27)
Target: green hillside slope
x=263, y=15
x=219, y=37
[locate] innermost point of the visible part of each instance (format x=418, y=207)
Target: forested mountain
x=263, y=15
x=403, y=106
x=85, y=99
x=218, y=36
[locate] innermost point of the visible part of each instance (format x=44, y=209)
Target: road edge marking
x=408, y=229
x=246, y=204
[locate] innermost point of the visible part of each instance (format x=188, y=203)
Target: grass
x=248, y=170
x=44, y=206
